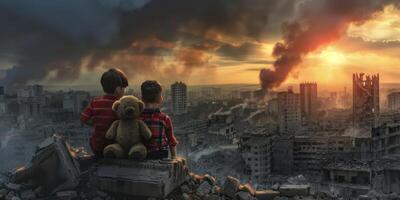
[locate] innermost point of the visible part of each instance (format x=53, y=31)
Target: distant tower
x=179, y=98
x=365, y=99
x=308, y=100
x=394, y=101
x=289, y=113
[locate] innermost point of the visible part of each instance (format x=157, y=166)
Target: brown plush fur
x=129, y=132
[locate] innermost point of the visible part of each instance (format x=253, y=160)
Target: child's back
x=158, y=122
x=99, y=113
x=161, y=129
x=102, y=116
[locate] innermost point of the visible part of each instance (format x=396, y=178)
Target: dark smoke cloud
x=62, y=36
x=319, y=23
x=239, y=52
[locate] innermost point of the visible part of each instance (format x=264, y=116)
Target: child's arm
x=87, y=114
x=144, y=131
x=169, y=131
x=112, y=131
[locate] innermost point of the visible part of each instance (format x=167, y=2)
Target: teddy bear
x=129, y=132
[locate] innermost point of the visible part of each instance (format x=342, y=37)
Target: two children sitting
x=100, y=115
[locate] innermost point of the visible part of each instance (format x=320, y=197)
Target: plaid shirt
x=100, y=111
x=161, y=128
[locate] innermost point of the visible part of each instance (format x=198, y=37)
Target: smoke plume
x=60, y=37
x=319, y=24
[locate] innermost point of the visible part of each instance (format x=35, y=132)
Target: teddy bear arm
x=144, y=131
x=112, y=131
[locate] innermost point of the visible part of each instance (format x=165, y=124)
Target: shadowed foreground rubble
x=59, y=172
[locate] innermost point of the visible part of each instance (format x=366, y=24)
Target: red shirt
x=100, y=111
x=161, y=129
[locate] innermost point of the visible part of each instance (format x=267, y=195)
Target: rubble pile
x=59, y=172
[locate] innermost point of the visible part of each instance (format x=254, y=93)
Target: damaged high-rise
x=365, y=99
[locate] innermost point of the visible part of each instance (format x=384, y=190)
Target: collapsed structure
x=365, y=99
x=58, y=171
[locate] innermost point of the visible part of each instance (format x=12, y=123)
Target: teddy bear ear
x=115, y=105
x=141, y=106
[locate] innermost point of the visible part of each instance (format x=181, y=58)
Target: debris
x=247, y=188
x=231, y=186
x=266, y=194
x=13, y=186
x=152, y=178
x=53, y=168
x=243, y=196
x=203, y=189
x=27, y=194
x=67, y=194
x=210, y=179
x=294, y=190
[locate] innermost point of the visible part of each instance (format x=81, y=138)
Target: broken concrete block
x=152, y=178
x=27, y=194
x=185, y=189
x=13, y=186
x=3, y=192
x=247, y=188
x=10, y=195
x=231, y=186
x=67, y=194
x=186, y=196
x=243, y=196
x=266, y=194
x=210, y=179
x=294, y=190
x=204, y=189
x=216, y=189
x=53, y=168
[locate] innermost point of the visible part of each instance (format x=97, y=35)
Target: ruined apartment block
x=385, y=140
x=310, y=152
x=256, y=151
x=365, y=99
x=289, y=114
x=308, y=100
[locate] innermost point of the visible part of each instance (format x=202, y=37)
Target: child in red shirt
x=99, y=113
x=160, y=124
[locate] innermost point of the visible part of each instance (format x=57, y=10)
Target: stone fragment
x=13, y=186
x=294, y=190
x=242, y=195
x=3, y=192
x=67, y=194
x=27, y=194
x=210, y=179
x=101, y=194
x=185, y=189
x=266, y=194
x=231, y=186
x=186, y=196
x=216, y=189
x=247, y=188
x=203, y=189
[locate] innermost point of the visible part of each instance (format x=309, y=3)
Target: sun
x=332, y=57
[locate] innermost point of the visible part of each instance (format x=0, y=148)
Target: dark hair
x=151, y=91
x=112, y=79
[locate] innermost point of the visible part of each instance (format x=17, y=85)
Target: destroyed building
x=308, y=100
x=310, y=152
x=289, y=113
x=365, y=99
x=256, y=150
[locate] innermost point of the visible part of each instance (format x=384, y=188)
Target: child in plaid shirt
x=160, y=124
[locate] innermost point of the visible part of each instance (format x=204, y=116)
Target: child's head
x=151, y=92
x=114, y=82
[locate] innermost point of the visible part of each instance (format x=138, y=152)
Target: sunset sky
x=223, y=52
